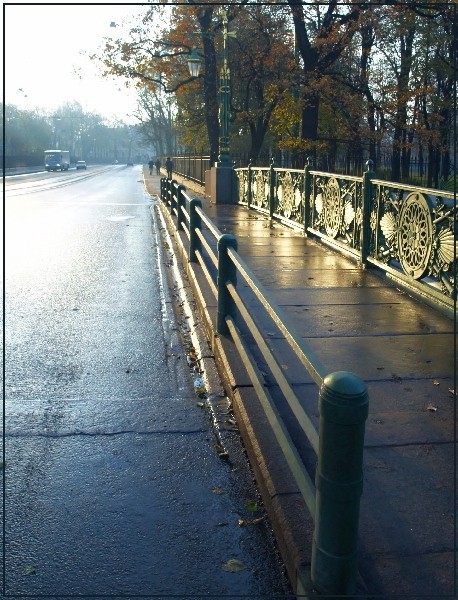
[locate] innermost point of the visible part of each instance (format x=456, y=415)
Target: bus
x=57, y=160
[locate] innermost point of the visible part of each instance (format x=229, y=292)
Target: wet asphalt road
x=113, y=485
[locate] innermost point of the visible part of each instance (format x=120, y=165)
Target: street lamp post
x=222, y=172
x=224, y=103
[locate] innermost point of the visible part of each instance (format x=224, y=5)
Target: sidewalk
x=403, y=350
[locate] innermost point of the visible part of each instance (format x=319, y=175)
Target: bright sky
x=44, y=61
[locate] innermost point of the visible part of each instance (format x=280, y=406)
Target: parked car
x=81, y=164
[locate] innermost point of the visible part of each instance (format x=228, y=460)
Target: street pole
x=224, y=102
x=221, y=172
x=221, y=175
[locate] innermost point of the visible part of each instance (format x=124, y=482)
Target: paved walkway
x=354, y=320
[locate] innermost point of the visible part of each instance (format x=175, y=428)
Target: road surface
x=114, y=483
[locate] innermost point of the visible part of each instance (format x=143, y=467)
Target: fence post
x=195, y=223
x=272, y=188
x=339, y=482
x=173, y=202
x=367, y=206
x=163, y=198
x=249, y=192
x=180, y=203
x=307, y=193
x=168, y=192
x=226, y=271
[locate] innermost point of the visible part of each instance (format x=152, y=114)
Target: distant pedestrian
x=158, y=167
x=151, y=165
x=169, y=167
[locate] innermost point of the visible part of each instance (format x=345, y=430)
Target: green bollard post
x=226, y=272
x=195, y=223
x=344, y=406
x=180, y=203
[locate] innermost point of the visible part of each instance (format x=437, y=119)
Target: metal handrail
x=304, y=353
x=333, y=501
x=301, y=477
x=300, y=414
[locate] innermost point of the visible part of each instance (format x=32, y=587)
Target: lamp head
x=194, y=63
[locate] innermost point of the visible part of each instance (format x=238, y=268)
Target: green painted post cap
x=344, y=398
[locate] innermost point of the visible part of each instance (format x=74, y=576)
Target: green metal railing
x=408, y=232
x=333, y=502
x=192, y=167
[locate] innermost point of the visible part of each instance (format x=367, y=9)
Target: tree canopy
x=340, y=82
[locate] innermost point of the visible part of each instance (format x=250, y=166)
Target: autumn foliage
x=339, y=82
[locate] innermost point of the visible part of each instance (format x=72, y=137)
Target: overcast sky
x=44, y=61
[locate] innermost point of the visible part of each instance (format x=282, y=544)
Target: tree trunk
x=367, y=42
x=402, y=93
x=258, y=132
x=309, y=129
x=318, y=56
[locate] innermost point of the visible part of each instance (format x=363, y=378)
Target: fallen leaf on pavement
x=233, y=565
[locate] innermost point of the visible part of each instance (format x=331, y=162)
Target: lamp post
x=221, y=172
x=224, y=102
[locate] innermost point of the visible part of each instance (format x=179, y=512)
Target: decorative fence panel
x=260, y=190
x=289, y=190
x=336, y=209
x=414, y=230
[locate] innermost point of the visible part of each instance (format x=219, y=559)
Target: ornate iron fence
x=414, y=230
x=407, y=231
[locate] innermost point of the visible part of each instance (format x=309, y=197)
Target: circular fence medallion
x=415, y=235
x=332, y=208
